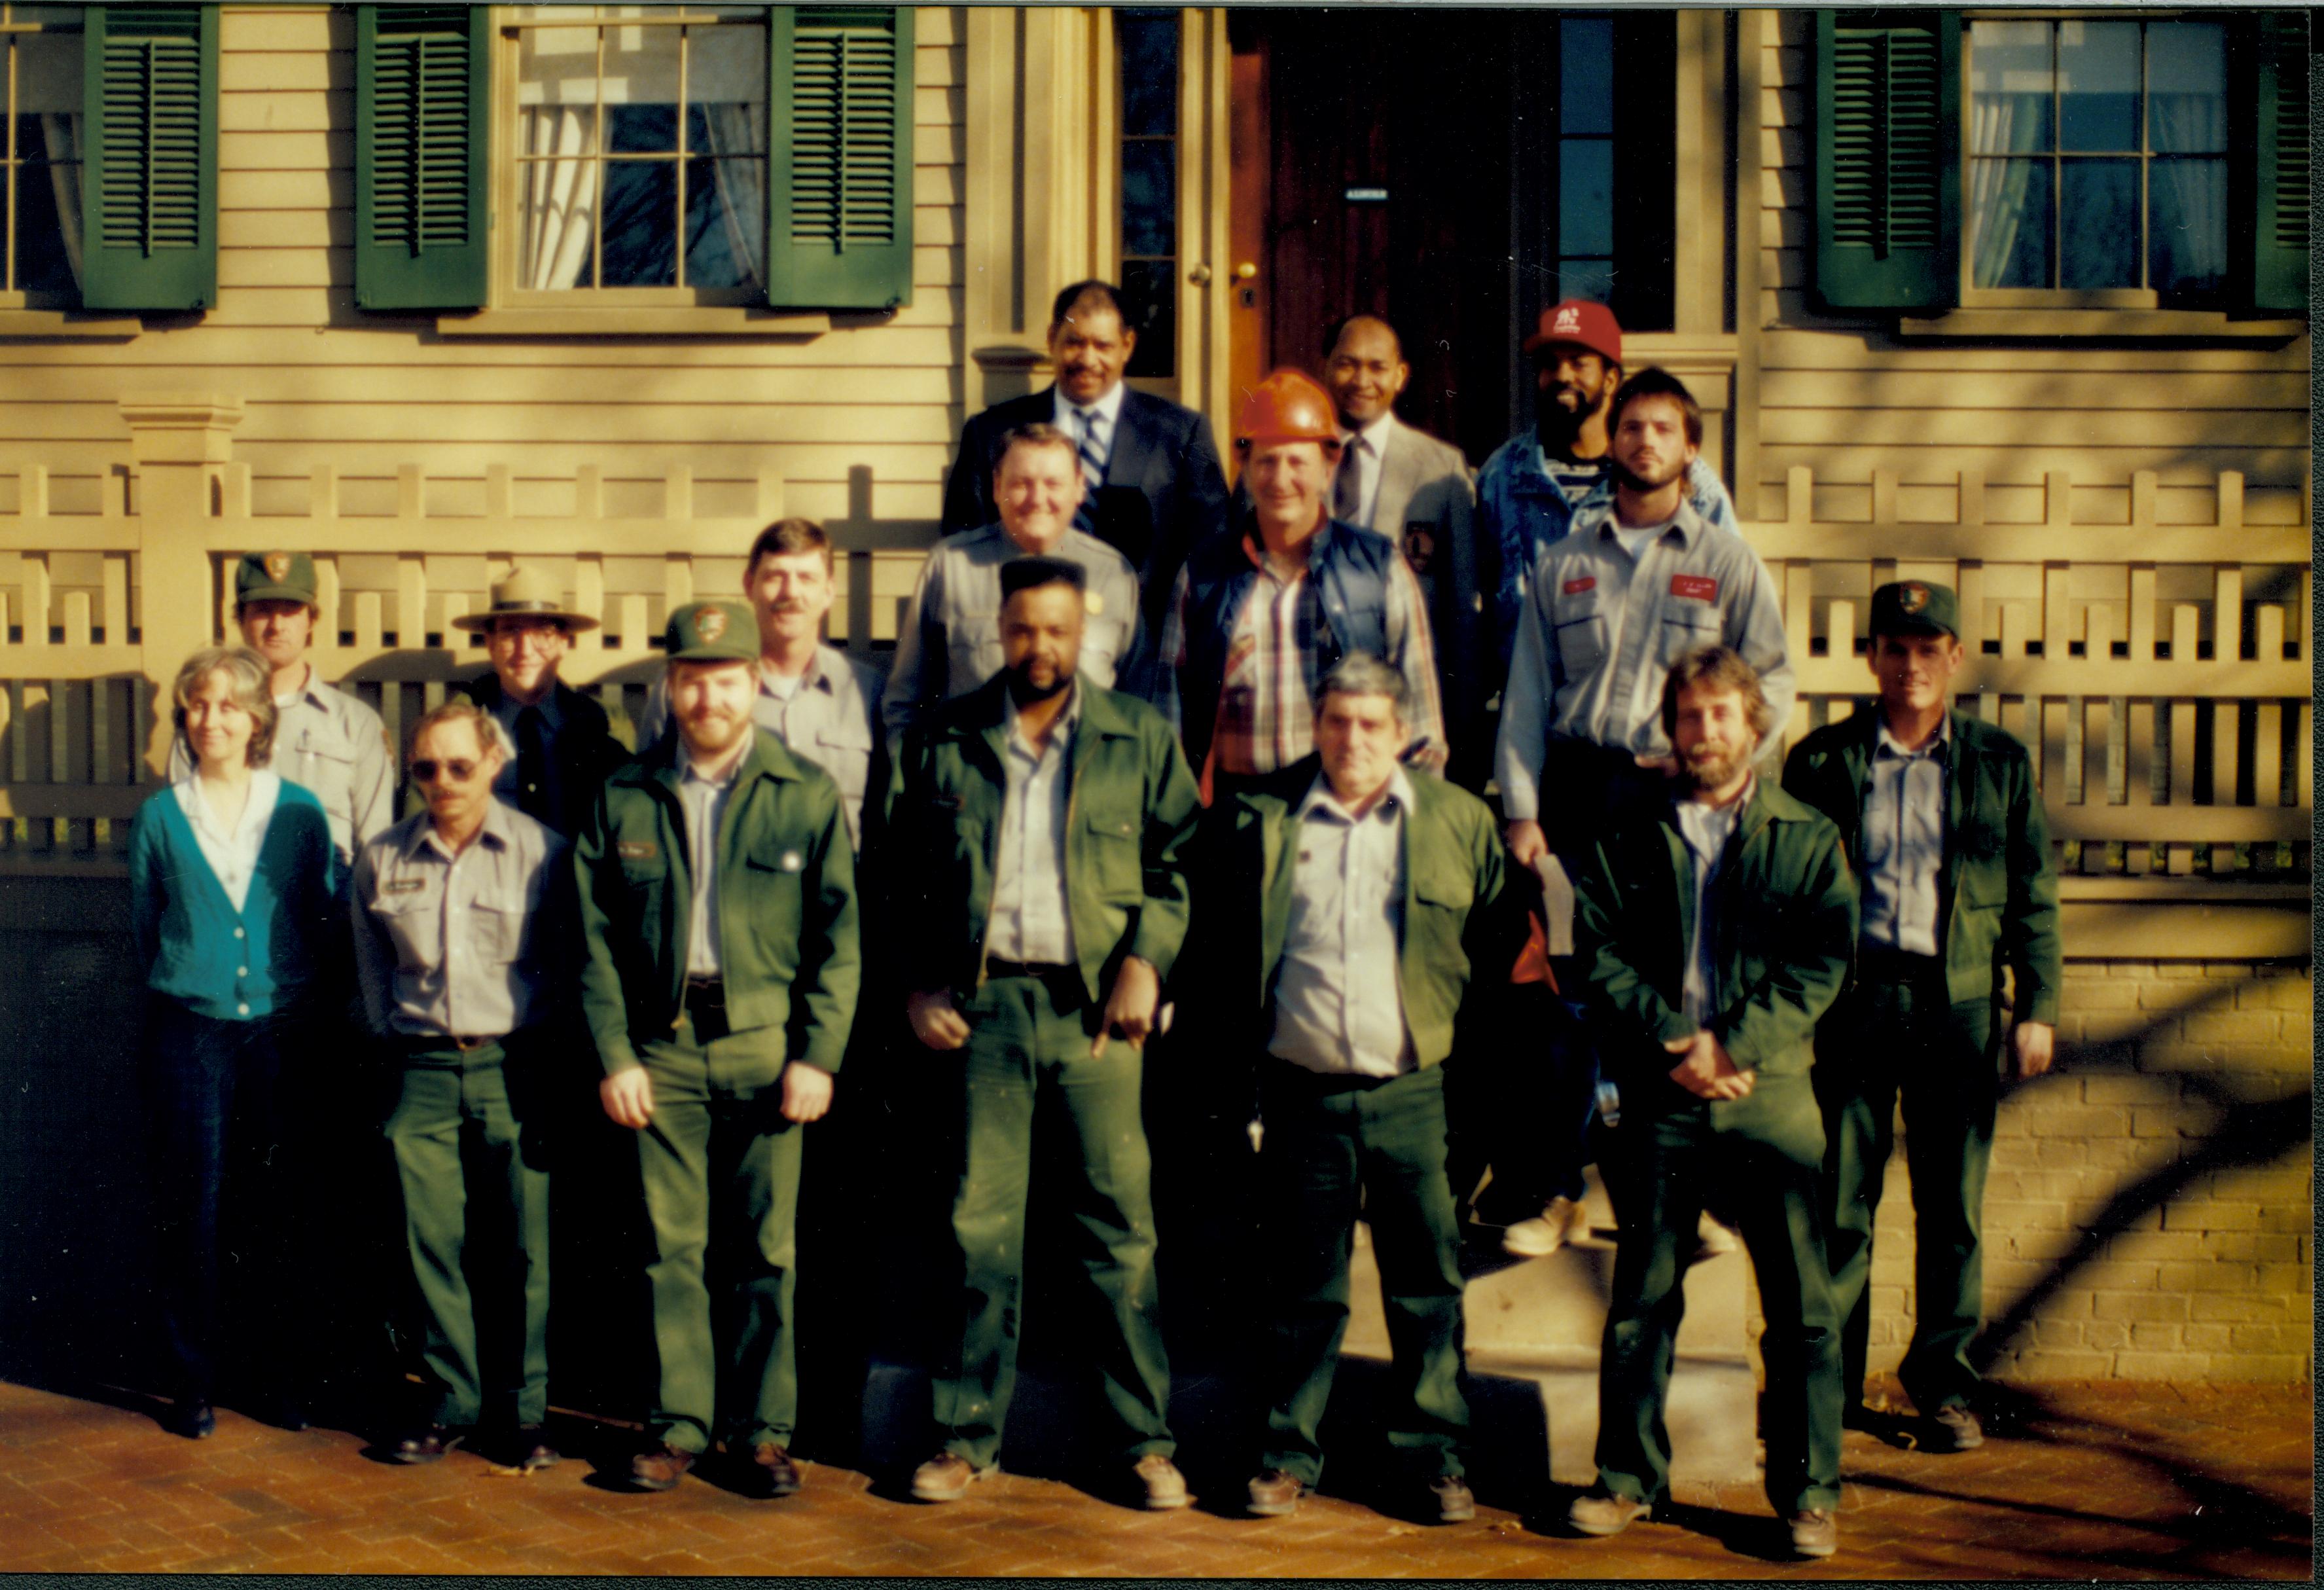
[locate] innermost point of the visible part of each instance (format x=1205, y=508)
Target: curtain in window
x=1997, y=188
x=742, y=129
x=2191, y=192
x=60, y=135
x=561, y=194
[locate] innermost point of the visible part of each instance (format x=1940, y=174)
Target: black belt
x=706, y=991
x=431, y=1043
x=704, y=999
x=996, y=968
x=1886, y=964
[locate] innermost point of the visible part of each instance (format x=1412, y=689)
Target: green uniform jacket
x=787, y=913
x=1782, y=946
x=1459, y=912
x=1131, y=810
x=1996, y=887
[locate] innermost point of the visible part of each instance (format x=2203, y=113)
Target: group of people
x=1156, y=768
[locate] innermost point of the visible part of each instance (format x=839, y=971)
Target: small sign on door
x=1367, y=196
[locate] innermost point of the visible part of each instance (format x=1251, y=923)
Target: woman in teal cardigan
x=231, y=892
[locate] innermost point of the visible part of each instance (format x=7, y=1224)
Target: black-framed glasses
x=459, y=770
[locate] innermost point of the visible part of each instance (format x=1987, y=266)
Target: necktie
x=1092, y=470
x=1348, y=487
x=533, y=767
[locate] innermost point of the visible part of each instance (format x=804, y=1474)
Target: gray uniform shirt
x=1339, y=1006
x=1032, y=920
x=949, y=643
x=705, y=800
x=458, y=945
x=336, y=748
x=1903, y=841
x=1599, y=633
x=1706, y=829
x=831, y=720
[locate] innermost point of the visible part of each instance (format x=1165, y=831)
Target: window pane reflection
x=2187, y=226
x=2009, y=211
x=1148, y=202
x=2098, y=85
x=2099, y=218
x=2009, y=87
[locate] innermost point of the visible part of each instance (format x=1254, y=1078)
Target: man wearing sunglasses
x=719, y=920
x=461, y=929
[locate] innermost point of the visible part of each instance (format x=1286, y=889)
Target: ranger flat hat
x=1916, y=606
x=274, y=577
x=711, y=631
x=526, y=593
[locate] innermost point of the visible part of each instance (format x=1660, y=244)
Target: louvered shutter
x=1887, y=159
x=839, y=161
x=421, y=114
x=2280, y=226
x=148, y=190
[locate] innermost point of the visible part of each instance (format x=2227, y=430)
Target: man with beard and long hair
x=719, y=924
x=1641, y=579
x=1716, y=926
x=1035, y=831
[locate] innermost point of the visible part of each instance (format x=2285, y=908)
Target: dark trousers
x=721, y=1168
x=1522, y=1101
x=1027, y=1054
x=471, y=1156
x=224, y=1228
x=1900, y=1036
x=1337, y=1149
x=1765, y=1153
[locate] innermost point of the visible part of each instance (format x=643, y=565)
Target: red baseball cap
x=1583, y=324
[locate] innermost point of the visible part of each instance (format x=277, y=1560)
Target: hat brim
x=1537, y=342
x=276, y=594
x=479, y=622
x=710, y=654
x=1909, y=624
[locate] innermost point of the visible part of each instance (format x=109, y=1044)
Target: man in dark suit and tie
x=1154, y=487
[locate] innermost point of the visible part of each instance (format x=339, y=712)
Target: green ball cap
x=711, y=631
x=274, y=577
x=1916, y=606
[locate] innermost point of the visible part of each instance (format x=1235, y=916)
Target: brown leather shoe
x=945, y=1477
x=661, y=1468
x=772, y=1471
x=1163, y=1489
x=1275, y=1494
x=427, y=1446
x=1815, y=1532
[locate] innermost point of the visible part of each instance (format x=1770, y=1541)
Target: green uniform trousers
x=1903, y=1036
x=470, y=1123
x=1028, y=1050
x=1336, y=1148
x=1762, y=1155
x=721, y=1168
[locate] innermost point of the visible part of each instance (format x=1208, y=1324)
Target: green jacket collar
x=768, y=757
x=1962, y=771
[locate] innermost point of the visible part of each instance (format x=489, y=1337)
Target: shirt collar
x=311, y=688
x=493, y=835
x=1320, y=799
x=264, y=793
x=1375, y=435
x=1068, y=412
x=552, y=716
x=1611, y=526
x=1716, y=820
x=1254, y=547
x=817, y=677
x=1060, y=732
x=686, y=771
x=1939, y=745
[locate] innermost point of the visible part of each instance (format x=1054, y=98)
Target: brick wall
x=2158, y=1186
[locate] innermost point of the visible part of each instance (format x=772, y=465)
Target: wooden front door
x=1370, y=171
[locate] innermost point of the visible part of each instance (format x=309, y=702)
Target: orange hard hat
x=1288, y=406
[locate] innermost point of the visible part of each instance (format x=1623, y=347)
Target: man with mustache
x=1716, y=925
x=1530, y=489
x=816, y=699
x=1035, y=829
x=1153, y=488
x=718, y=916
x=1641, y=579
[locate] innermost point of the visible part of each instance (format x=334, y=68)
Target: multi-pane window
x=2098, y=155
x=640, y=149
x=1585, y=158
x=41, y=83
x=1147, y=40
x=1608, y=236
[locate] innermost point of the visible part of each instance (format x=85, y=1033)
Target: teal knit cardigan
x=227, y=965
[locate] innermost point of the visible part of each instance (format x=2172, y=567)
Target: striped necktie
x=1092, y=457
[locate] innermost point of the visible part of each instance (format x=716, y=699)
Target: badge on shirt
x=1094, y=601
x=1700, y=586
x=402, y=885
x=792, y=861
x=1574, y=587
x=636, y=849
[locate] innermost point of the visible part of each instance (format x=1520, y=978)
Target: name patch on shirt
x=402, y=885
x=636, y=849
x=1574, y=587
x=1700, y=586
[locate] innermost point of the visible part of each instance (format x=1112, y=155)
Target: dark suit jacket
x=1164, y=490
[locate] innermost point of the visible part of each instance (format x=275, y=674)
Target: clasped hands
x=1705, y=1069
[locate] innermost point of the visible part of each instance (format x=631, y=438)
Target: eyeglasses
x=458, y=770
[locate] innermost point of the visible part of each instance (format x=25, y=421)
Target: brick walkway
x=2101, y=1481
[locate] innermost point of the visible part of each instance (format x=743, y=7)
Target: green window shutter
x=2280, y=227
x=421, y=117
x=149, y=190
x=839, y=157
x=1887, y=159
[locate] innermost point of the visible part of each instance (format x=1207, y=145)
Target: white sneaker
x=1565, y=1220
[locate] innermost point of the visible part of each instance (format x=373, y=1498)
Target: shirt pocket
x=414, y=923
x=1579, y=621
x=844, y=750
x=972, y=652
x=1104, y=638
x=496, y=926
x=1689, y=626
x=325, y=762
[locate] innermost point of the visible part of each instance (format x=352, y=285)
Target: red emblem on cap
x=1700, y=586
x=1574, y=587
